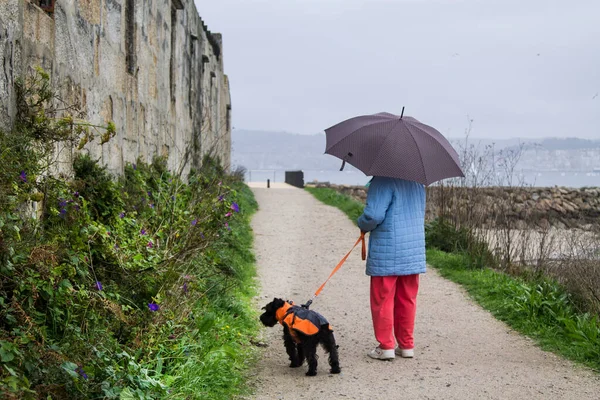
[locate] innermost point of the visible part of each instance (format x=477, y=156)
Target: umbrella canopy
x=395, y=146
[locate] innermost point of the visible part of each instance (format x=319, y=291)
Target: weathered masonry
x=151, y=66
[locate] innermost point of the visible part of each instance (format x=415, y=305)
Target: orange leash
x=361, y=239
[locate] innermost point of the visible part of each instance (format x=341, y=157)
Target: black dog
x=303, y=330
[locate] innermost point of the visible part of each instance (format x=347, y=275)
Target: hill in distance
x=282, y=150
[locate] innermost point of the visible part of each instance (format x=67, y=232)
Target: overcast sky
x=518, y=68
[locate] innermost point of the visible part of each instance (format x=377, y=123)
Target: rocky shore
x=560, y=207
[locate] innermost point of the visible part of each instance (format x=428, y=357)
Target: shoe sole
x=381, y=358
x=399, y=354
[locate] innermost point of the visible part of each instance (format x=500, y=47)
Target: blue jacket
x=395, y=217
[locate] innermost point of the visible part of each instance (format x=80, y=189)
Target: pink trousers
x=393, y=308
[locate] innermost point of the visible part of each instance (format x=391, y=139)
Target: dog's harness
x=339, y=265
x=300, y=320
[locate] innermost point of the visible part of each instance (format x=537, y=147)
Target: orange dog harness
x=300, y=320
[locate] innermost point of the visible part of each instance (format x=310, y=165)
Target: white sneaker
x=405, y=353
x=380, y=354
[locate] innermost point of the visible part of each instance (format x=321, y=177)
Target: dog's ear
x=277, y=303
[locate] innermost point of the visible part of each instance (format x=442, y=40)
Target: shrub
x=443, y=235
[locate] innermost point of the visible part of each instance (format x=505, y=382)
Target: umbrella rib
x=419, y=150
x=381, y=147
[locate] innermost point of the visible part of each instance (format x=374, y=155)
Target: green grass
x=538, y=308
x=352, y=208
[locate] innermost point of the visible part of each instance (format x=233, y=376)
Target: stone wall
x=561, y=207
x=151, y=66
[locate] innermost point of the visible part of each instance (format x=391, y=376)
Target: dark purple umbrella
x=394, y=146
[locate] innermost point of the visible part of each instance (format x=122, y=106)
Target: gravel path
x=461, y=351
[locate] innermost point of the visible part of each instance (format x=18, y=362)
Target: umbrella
x=395, y=146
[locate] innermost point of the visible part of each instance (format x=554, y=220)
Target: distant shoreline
x=571, y=179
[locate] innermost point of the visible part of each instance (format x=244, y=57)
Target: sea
x=573, y=179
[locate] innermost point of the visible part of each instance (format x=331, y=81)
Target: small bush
x=442, y=235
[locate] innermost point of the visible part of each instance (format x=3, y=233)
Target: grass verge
x=213, y=359
x=538, y=308
x=352, y=208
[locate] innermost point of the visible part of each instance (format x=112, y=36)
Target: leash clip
x=307, y=304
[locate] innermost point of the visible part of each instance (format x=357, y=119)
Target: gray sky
x=518, y=68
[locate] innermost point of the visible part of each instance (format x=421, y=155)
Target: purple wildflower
x=134, y=167
x=194, y=222
x=143, y=232
x=76, y=194
x=173, y=198
x=150, y=244
x=153, y=307
x=185, y=287
x=122, y=215
x=235, y=207
x=228, y=214
x=23, y=176
x=202, y=235
x=151, y=205
x=77, y=208
x=81, y=372
x=116, y=246
x=63, y=212
x=227, y=226
x=99, y=285
x=221, y=197
x=62, y=203
x=149, y=193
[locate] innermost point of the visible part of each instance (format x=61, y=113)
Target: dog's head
x=268, y=318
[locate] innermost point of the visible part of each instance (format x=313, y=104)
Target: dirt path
x=461, y=351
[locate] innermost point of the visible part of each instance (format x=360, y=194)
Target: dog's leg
x=290, y=348
x=332, y=348
x=300, y=349
x=310, y=352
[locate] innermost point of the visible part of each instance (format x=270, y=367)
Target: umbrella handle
x=344, y=160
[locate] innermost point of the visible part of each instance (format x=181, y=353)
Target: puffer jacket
x=395, y=217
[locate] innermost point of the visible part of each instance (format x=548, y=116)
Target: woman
x=395, y=217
